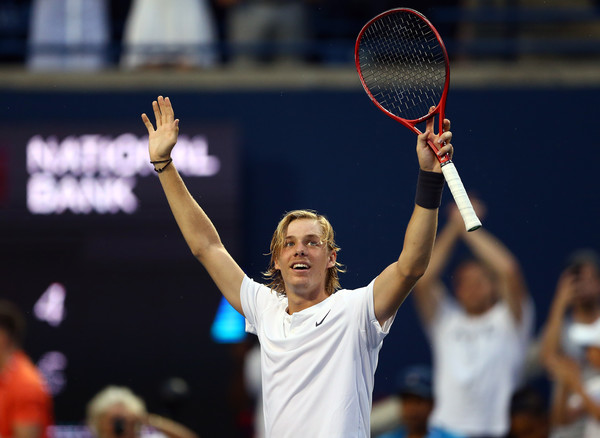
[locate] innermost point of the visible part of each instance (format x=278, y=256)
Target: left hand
x=427, y=156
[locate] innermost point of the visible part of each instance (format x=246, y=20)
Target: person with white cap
x=570, y=347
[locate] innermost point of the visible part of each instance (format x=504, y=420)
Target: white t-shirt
x=478, y=362
x=591, y=385
x=318, y=365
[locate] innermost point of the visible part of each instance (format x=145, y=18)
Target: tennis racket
x=403, y=66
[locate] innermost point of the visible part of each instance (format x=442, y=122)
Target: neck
x=300, y=301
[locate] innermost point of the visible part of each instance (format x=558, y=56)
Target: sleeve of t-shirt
x=255, y=297
x=364, y=307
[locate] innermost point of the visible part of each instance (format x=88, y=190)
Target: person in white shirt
x=480, y=337
x=570, y=343
x=319, y=345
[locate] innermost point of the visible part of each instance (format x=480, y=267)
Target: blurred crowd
x=491, y=375
x=86, y=35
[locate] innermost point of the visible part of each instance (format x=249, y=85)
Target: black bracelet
x=430, y=186
x=169, y=161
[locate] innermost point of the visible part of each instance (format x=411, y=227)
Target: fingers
x=148, y=123
x=446, y=125
x=166, y=110
x=446, y=149
x=163, y=111
x=429, y=125
x=157, y=115
x=422, y=138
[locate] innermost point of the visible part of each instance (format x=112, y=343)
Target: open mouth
x=300, y=266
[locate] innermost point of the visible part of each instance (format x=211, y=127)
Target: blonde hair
x=108, y=397
x=273, y=275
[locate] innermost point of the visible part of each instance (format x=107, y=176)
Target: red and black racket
x=404, y=68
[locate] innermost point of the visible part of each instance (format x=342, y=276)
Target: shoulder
x=26, y=377
x=360, y=293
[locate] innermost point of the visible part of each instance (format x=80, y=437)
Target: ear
x=332, y=259
x=276, y=264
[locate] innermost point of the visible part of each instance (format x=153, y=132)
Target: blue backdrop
x=527, y=153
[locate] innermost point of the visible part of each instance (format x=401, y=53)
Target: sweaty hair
x=273, y=275
x=12, y=321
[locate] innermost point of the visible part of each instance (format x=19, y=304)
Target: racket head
x=403, y=66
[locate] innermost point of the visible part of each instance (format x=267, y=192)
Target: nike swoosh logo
x=317, y=324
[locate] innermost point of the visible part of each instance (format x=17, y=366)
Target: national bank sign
x=95, y=173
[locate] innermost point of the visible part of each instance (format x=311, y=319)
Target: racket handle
x=461, y=198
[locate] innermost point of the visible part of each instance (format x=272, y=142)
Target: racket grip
x=461, y=198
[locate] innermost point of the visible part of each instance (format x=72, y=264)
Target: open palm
x=163, y=138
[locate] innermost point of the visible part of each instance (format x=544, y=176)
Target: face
x=588, y=283
x=474, y=288
x=415, y=413
x=118, y=422
x=304, y=258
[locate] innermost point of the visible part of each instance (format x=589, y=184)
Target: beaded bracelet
x=169, y=161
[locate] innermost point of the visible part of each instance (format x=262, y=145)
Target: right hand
x=425, y=153
x=566, y=288
x=162, y=139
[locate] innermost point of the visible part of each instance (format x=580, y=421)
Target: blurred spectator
x=576, y=303
x=578, y=385
x=14, y=23
x=264, y=30
x=116, y=412
x=177, y=33
x=415, y=391
x=253, y=383
x=480, y=338
x=528, y=415
x=25, y=402
x=68, y=35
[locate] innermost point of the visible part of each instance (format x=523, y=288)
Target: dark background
x=139, y=307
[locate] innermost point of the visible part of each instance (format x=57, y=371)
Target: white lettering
x=96, y=173
x=46, y=195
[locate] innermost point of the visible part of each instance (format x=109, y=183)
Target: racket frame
x=451, y=175
x=439, y=110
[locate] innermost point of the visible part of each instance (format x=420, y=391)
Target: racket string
x=403, y=64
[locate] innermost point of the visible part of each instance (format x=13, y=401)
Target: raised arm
x=394, y=284
x=550, y=347
x=511, y=283
x=197, y=229
x=429, y=290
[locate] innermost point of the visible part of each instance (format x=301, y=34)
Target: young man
x=319, y=349
x=25, y=403
x=479, y=339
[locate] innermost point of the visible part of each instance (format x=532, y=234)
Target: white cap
x=586, y=334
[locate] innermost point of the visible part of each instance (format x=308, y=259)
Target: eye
x=288, y=244
x=314, y=243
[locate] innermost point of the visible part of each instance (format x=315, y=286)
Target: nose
x=300, y=249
